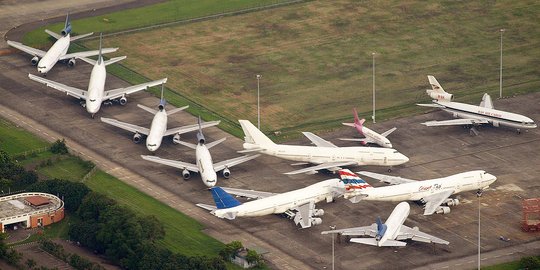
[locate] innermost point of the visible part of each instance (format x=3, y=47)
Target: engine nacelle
x=35, y=60
x=495, y=123
x=66, y=30
x=318, y=212
x=186, y=174
x=137, y=138
x=226, y=173
x=162, y=104
x=316, y=221
x=176, y=138
x=440, y=96
x=451, y=202
x=200, y=138
x=123, y=100
x=72, y=62
x=443, y=210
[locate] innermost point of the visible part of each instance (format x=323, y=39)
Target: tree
x=530, y=263
x=71, y=192
x=92, y=205
x=59, y=147
x=230, y=249
x=252, y=257
x=30, y=263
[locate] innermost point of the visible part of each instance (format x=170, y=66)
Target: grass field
x=182, y=233
x=68, y=168
x=16, y=141
x=168, y=11
x=316, y=62
x=504, y=266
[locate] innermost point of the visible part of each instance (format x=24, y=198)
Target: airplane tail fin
x=67, y=26
x=200, y=135
x=100, y=56
x=437, y=91
x=352, y=181
x=223, y=199
x=357, y=121
x=162, y=101
x=254, y=135
x=435, y=85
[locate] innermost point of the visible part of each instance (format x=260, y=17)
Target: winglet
x=223, y=199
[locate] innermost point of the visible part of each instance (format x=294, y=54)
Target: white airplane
x=204, y=165
x=472, y=115
x=158, y=127
x=434, y=193
x=96, y=94
x=45, y=61
x=325, y=154
x=298, y=205
x=371, y=136
x=390, y=233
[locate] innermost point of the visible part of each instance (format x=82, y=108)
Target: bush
x=59, y=147
x=529, y=263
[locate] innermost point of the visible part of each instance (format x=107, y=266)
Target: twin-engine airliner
x=370, y=135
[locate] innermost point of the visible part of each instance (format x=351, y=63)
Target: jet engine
x=495, y=123
x=137, y=138
x=440, y=96
x=316, y=221
x=185, y=174
x=72, y=62
x=443, y=210
x=35, y=60
x=162, y=104
x=200, y=138
x=451, y=202
x=176, y=138
x=318, y=212
x=66, y=30
x=226, y=173
x=123, y=100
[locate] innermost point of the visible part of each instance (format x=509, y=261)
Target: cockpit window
x=92, y=100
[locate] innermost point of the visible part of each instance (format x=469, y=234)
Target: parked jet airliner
x=433, y=193
x=472, y=115
x=45, y=61
x=371, y=136
x=298, y=204
x=204, y=164
x=389, y=233
x=158, y=127
x=96, y=94
x=325, y=154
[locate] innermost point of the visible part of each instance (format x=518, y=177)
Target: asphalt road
x=434, y=152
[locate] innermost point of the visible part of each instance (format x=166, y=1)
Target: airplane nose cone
x=210, y=183
x=151, y=148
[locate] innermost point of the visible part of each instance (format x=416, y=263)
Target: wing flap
x=189, y=128
x=388, y=132
x=72, y=91
x=356, y=231
x=455, y=122
x=318, y=141
x=303, y=214
x=392, y=180
x=26, y=49
x=252, y=194
x=233, y=162
x=117, y=93
x=416, y=235
x=87, y=53
x=126, y=126
x=327, y=165
x=435, y=200
x=173, y=163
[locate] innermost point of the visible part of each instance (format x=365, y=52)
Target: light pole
x=479, y=194
x=373, y=64
x=258, y=103
x=333, y=227
x=500, y=70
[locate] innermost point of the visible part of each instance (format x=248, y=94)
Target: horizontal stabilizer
x=364, y=141
x=223, y=199
x=365, y=241
x=148, y=109
x=53, y=34
x=250, y=150
x=206, y=206
x=348, y=124
x=89, y=61
x=114, y=60
x=80, y=36
x=175, y=110
x=190, y=145
x=214, y=143
x=430, y=105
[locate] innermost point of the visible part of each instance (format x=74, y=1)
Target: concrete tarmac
x=434, y=152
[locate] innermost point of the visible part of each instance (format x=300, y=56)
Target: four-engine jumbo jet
x=158, y=128
x=96, y=94
x=58, y=51
x=389, y=233
x=325, y=154
x=433, y=193
x=205, y=166
x=472, y=115
x=298, y=205
x=370, y=135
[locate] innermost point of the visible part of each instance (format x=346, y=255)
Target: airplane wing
x=117, y=93
x=87, y=53
x=327, y=165
x=126, y=126
x=435, y=200
x=173, y=163
x=303, y=214
x=233, y=162
x=189, y=128
x=431, y=105
x=72, y=91
x=318, y=141
x=357, y=231
x=416, y=235
x=252, y=194
x=455, y=122
x=364, y=140
x=386, y=133
x=26, y=49
x=392, y=180
x=486, y=101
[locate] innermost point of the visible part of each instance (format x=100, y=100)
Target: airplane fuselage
x=374, y=136
x=394, y=222
x=157, y=130
x=318, y=155
x=205, y=165
x=280, y=203
x=58, y=49
x=96, y=88
x=414, y=191
x=493, y=116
